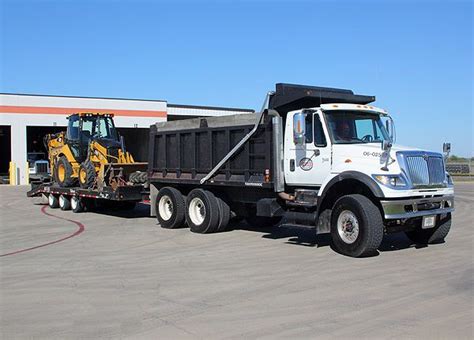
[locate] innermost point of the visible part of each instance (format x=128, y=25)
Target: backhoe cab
x=92, y=153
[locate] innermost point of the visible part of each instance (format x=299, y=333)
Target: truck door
x=309, y=163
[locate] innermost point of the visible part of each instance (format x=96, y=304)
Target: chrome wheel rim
x=50, y=200
x=62, y=201
x=197, y=211
x=165, y=207
x=74, y=203
x=348, y=226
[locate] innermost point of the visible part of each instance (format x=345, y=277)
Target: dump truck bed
x=186, y=151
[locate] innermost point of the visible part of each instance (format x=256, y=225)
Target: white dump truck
x=321, y=157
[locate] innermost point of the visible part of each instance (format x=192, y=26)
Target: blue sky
x=416, y=57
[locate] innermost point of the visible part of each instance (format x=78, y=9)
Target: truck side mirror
x=389, y=126
x=299, y=128
x=446, y=148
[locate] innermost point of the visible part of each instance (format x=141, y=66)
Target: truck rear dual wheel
x=356, y=226
x=205, y=213
x=170, y=208
x=63, y=173
x=432, y=235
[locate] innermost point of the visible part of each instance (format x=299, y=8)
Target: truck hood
x=366, y=157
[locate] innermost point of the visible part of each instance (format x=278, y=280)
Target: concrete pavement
x=125, y=277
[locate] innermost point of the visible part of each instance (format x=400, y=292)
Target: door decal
x=306, y=164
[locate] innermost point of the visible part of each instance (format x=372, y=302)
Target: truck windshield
x=353, y=127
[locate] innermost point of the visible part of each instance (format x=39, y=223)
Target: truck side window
x=319, y=137
x=309, y=128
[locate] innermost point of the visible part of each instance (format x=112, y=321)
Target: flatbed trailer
x=79, y=199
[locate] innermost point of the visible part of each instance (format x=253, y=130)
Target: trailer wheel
x=356, y=226
x=87, y=175
x=224, y=214
x=170, y=208
x=64, y=202
x=53, y=201
x=77, y=205
x=432, y=235
x=202, y=211
x=63, y=173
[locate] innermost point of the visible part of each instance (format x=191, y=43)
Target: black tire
x=77, y=205
x=366, y=241
x=64, y=202
x=138, y=177
x=224, y=214
x=53, y=201
x=433, y=235
x=172, y=199
x=205, y=204
x=67, y=180
x=87, y=175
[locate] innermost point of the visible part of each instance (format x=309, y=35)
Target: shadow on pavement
x=297, y=235
x=140, y=211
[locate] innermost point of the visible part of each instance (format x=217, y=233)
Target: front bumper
x=416, y=207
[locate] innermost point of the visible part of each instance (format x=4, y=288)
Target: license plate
x=428, y=222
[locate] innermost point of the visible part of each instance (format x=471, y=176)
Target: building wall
x=20, y=111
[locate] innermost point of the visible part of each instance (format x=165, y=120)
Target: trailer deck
x=130, y=193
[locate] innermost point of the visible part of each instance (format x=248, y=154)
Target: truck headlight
x=391, y=181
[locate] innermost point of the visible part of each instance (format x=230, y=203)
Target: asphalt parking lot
x=112, y=275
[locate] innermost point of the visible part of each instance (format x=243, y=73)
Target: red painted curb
x=43, y=210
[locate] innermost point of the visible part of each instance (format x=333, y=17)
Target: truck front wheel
x=356, y=226
x=202, y=211
x=432, y=235
x=170, y=208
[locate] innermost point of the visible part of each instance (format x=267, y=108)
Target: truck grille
x=41, y=167
x=426, y=170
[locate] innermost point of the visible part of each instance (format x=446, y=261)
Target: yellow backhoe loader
x=92, y=154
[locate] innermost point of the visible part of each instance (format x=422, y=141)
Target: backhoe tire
x=138, y=177
x=87, y=175
x=433, y=235
x=63, y=173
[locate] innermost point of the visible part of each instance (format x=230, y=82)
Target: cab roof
x=353, y=107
